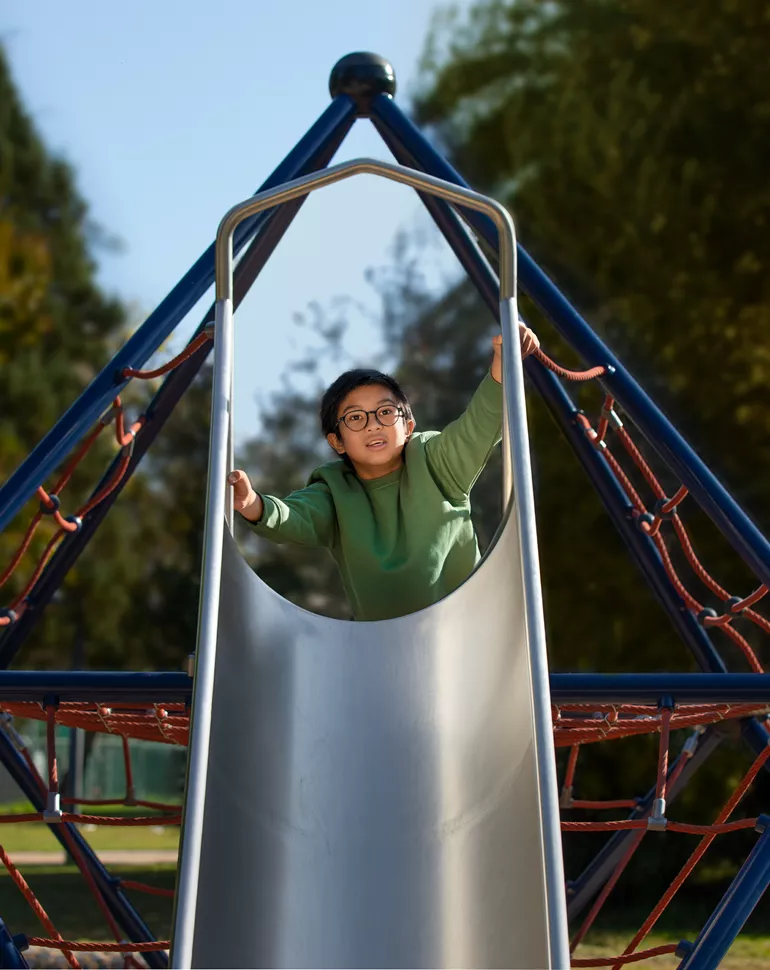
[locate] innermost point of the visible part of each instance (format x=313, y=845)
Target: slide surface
x=374, y=794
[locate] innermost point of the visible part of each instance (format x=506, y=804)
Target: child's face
x=374, y=446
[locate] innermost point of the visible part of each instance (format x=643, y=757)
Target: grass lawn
x=748, y=952
x=65, y=896
x=37, y=837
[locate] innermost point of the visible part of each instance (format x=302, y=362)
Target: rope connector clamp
x=683, y=949
x=128, y=450
x=659, y=511
x=52, y=505
x=52, y=811
x=76, y=521
x=611, y=415
x=565, y=798
x=646, y=518
x=732, y=603
x=707, y=613
x=657, y=823
x=209, y=330
x=594, y=438
x=8, y=614
x=763, y=823
x=691, y=744
x=109, y=415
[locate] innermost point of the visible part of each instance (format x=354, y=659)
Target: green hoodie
x=405, y=540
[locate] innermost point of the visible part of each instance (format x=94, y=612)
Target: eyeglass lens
x=387, y=415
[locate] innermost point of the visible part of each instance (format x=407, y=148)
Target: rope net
x=575, y=725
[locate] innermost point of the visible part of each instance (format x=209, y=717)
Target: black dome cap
x=362, y=76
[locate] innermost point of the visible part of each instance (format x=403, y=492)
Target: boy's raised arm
x=305, y=517
x=458, y=455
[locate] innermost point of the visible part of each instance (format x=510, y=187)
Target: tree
x=57, y=330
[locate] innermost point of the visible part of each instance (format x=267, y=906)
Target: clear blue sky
x=173, y=110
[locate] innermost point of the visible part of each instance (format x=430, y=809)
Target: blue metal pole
x=108, y=686
x=148, y=687
x=650, y=688
x=95, y=399
x=737, y=904
x=157, y=413
x=9, y=952
x=716, y=501
x=119, y=905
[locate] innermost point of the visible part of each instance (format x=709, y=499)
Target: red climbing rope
x=656, y=951
x=142, y=887
x=195, y=344
x=37, y=908
x=90, y=947
x=50, y=501
x=570, y=375
x=688, y=867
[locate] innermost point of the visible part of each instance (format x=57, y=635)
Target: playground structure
x=583, y=708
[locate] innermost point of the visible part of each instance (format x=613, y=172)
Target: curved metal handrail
x=516, y=475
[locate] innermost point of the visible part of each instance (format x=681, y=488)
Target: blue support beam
x=737, y=904
x=118, y=903
x=81, y=416
x=99, y=686
x=158, y=411
x=150, y=687
x=651, y=688
x=10, y=956
x=715, y=500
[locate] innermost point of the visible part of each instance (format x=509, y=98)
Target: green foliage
x=131, y=598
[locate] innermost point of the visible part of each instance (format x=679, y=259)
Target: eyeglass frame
x=400, y=413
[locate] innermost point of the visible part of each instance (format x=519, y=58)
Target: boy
x=395, y=511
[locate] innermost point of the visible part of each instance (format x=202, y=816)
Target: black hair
x=349, y=381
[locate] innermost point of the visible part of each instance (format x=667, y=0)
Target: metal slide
x=372, y=794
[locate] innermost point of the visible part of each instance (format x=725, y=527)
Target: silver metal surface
x=534, y=631
x=205, y=653
x=375, y=794
x=372, y=798
x=366, y=166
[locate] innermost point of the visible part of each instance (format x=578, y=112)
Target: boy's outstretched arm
x=245, y=499
x=305, y=517
x=458, y=455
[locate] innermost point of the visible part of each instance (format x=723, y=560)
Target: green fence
x=158, y=769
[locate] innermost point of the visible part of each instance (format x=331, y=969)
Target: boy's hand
x=245, y=499
x=529, y=344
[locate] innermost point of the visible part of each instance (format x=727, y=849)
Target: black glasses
x=386, y=415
